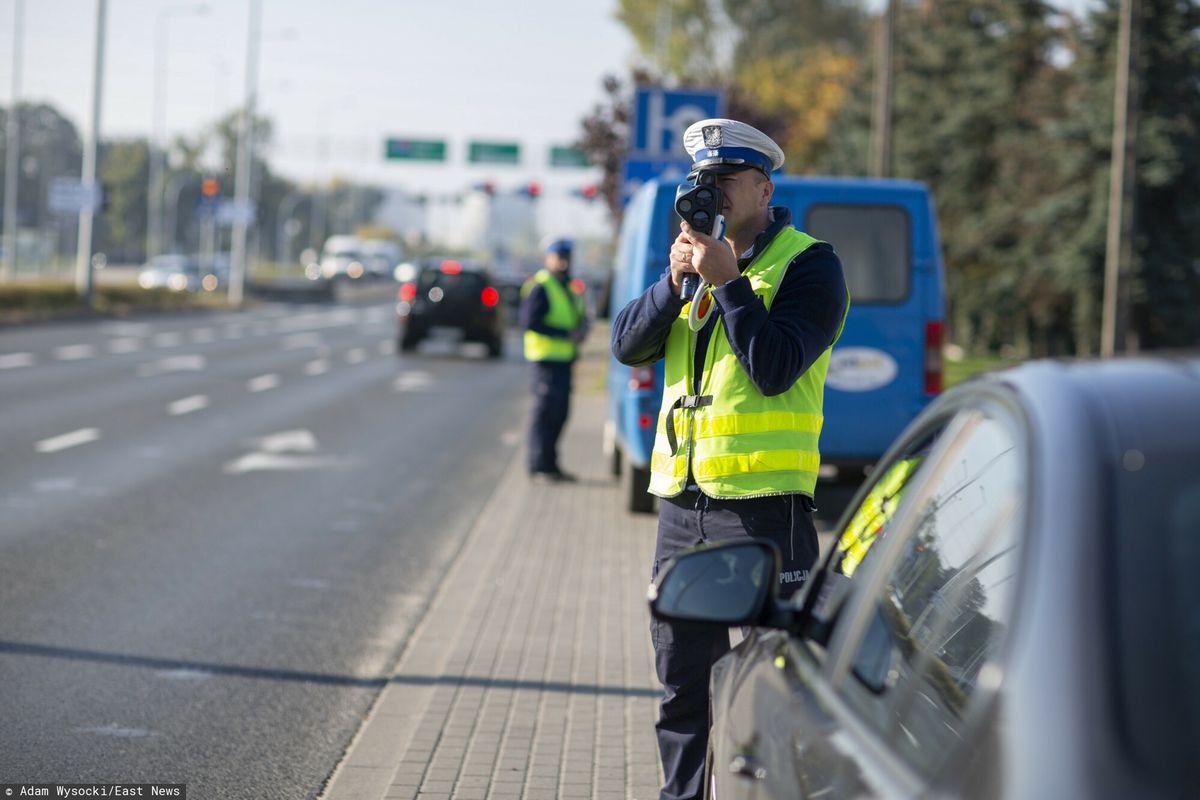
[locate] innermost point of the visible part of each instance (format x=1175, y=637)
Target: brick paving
x=530, y=676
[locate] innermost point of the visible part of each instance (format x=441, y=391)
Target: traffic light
x=210, y=187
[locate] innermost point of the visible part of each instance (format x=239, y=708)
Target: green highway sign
x=568, y=157
x=494, y=153
x=416, y=149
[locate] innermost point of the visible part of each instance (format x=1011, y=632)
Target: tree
x=124, y=175
x=50, y=148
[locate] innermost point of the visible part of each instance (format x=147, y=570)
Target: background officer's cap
x=726, y=145
x=560, y=247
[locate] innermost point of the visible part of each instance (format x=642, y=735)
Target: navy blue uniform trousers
x=551, y=402
x=685, y=651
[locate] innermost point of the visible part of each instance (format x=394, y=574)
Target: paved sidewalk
x=531, y=674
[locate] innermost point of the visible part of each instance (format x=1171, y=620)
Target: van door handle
x=747, y=766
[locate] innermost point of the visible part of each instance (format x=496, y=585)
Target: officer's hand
x=712, y=258
x=681, y=261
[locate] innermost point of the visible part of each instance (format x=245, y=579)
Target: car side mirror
x=725, y=584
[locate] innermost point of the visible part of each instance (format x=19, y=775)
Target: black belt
x=686, y=401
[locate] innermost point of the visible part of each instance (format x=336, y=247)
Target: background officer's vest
x=566, y=312
x=739, y=442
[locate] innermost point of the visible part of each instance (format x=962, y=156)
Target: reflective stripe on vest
x=738, y=442
x=566, y=312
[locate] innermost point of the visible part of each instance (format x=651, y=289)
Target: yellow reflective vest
x=566, y=312
x=735, y=441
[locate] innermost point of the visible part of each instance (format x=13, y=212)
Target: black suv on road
x=448, y=293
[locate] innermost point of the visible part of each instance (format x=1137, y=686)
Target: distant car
x=179, y=272
x=448, y=293
x=380, y=257
x=342, y=258
x=1009, y=608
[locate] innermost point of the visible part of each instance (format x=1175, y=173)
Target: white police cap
x=725, y=145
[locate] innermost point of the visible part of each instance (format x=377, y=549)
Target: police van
x=884, y=369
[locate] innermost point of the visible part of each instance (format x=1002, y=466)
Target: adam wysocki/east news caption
x=173, y=790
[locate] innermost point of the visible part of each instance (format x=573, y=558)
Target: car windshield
x=452, y=281
x=1156, y=561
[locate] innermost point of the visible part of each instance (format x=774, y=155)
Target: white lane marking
x=170, y=339
x=254, y=462
x=127, y=328
x=189, y=363
x=113, y=729
x=72, y=439
x=74, y=352
x=416, y=381
x=55, y=485
x=297, y=340
x=510, y=438
x=263, y=382
x=232, y=332
x=127, y=345
x=387, y=347
x=317, y=367
x=203, y=335
x=300, y=440
x=186, y=405
x=191, y=675
x=356, y=356
x=14, y=360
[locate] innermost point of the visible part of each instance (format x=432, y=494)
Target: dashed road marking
x=127, y=345
x=74, y=352
x=298, y=340
x=415, y=381
x=356, y=356
x=203, y=335
x=188, y=363
x=263, y=382
x=169, y=339
x=187, y=405
x=387, y=347
x=14, y=360
x=317, y=367
x=66, y=440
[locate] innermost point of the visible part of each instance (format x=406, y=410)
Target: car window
x=452, y=282
x=873, y=245
x=940, y=616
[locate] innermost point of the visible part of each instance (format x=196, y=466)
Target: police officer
x=553, y=318
x=735, y=453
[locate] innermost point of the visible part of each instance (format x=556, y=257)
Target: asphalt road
x=216, y=531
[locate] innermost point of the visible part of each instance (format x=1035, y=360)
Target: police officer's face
x=556, y=263
x=747, y=196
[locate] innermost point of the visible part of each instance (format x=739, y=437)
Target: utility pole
x=83, y=258
x=245, y=158
x=1122, y=187
x=11, y=147
x=881, y=108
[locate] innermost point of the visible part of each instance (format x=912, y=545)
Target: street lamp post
x=12, y=134
x=154, y=193
x=245, y=158
x=83, y=256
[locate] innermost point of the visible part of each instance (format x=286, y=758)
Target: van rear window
x=872, y=243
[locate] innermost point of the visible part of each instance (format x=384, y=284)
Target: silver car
x=1010, y=607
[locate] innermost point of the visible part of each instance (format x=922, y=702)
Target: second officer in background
x=553, y=318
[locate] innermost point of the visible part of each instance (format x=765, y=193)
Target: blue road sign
x=660, y=118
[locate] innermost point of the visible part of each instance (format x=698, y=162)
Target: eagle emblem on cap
x=712, y=135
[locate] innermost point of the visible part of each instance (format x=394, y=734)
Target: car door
x=901, y=625
x=915, y=653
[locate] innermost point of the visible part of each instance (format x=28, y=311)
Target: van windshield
x=872, y=243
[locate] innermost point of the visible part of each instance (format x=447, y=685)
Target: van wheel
x=637, y=481
x=614, y=461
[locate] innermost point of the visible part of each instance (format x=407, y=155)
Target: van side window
x=873, y=245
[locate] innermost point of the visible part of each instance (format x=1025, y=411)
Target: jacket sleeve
x=776, y=348
x=534, y=308
x=639, y=332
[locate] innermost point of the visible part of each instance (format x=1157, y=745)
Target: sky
x=337, y=78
